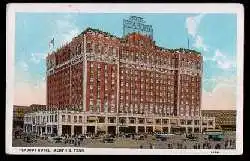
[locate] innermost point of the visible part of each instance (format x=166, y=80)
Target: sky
x=214, y=35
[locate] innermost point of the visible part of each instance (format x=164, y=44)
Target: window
x=141, y=121
x=189, y=122
x=80, y=119
x=132, y=121
x=89, y=48
x=63, y=118
x=55, y=117
x=69, y=118
x=196, y=122
x=75, y=118
x=157, y=121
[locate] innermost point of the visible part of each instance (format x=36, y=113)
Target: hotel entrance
x=149, y=129
x=66, y=130
x=90, y=129
x=77, y=130
x=111, y=129
x=141, y=129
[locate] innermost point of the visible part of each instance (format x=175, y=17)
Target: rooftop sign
x=137, y=24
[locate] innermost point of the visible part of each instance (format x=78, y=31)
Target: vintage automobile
x=213, y=134
x=191, y=137
x=162, y=136
x=107, y=139
x=139, y=137
x=18, y=133
x=29, y=137
x=58, y=139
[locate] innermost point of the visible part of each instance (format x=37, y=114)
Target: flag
x=52, y=42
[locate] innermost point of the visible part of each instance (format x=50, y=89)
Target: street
x=174, y=142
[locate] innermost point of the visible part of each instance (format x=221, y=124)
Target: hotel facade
x=103, y=83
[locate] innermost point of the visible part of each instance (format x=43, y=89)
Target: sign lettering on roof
x=137, y=24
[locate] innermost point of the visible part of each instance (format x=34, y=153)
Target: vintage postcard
x=139, y=79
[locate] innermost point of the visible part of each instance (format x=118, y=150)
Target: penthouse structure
x=124, y=84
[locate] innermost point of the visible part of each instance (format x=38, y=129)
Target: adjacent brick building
x=224, y=119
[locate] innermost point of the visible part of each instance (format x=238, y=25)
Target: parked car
x=140, y=137
x=191, y=137
x=108, y=139
x=18, y=133
x=82, y=137
x=58, y=139
x=28, y=137
x=129, y=135
x=214, y=134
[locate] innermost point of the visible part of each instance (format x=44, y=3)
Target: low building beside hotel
x=20, y=111
x=63, y=122
x=18, y=115
x=224, y=119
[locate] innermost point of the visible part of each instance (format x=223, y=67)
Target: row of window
x=155, y=59
x=76, y=119
x=147, y=74
x=97, y=48
x=137, y=80
x=41, y=119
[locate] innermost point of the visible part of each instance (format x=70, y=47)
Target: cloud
x=24, y=66
x=192, y=24
x=218, y=54
x=37, y=57
x=65, y=29
x=199, y=44
x=222, y=61
x=224, y=64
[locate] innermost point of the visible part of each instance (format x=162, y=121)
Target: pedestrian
x=204, y=146
x=75, y=140
x=209, y=146
x=150, y=146
x=217, y=146
x=141, y=147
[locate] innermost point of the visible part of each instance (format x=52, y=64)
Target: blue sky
x=214, y=35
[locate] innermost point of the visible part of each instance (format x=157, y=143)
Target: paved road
x=176, y=142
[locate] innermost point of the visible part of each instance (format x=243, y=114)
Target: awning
x=101, y=128
x=173, y=121
x=158, y=128
x=92, y=118
x=149, y=120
